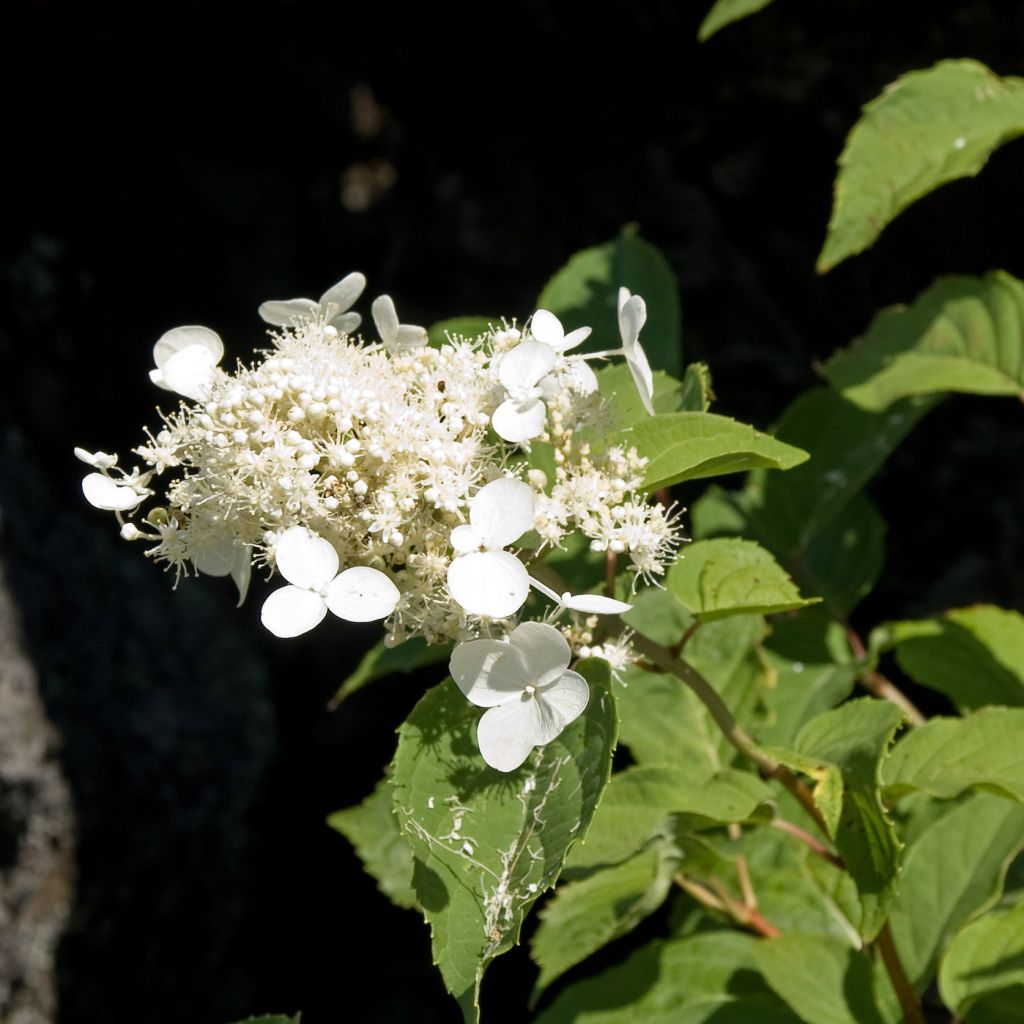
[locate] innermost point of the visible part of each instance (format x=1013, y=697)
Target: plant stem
x=747, y=917
x=815, y=845
x=912, y=1013
x=742, y=871
x=611, y=564
x=685, y=638
x=877, y=684
x=731, y=729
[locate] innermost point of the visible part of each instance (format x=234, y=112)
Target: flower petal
x=632, y=317
x=286, y=312
x=102, y=492
x=506, y=734
x=594, y=604
x=362, y=594
x=183, y=337
x=292, y=611
x=526, y=364
x=385, y=317
x=465, y=539
x=519, y=421
x=410, y=336
x=491, y=583
x=98, y=460
x=488, y=672
x=216, y=558
x=347, y=323
x=624, y=296
x=561, y=702
x=502, y=511
x=342, y=295
x=574, y=338
x=189, y=373
x=581, y=378
x=547, y=328
x=640, y=369
x=544, y=650
x=241, y=573
x=305, y=559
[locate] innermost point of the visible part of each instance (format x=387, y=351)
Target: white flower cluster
x=402, y=464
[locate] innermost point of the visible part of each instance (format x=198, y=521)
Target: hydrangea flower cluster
x=403, y=465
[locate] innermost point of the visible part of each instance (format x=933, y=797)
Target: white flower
x=310, y=564
x=632, y=316
x=103, y=492
x=527, y=686
x=186, y=359
x=483, y=578
x=522, y=372
x=332, y=308
x=547, y=328
x=98, y=460
x=395, y=336
x=589, y=604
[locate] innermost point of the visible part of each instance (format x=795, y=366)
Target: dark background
x=181, y=163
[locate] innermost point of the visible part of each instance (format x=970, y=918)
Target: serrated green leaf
x=663, y=722
x=851, y=741
x=694, y=445
x=986, y=956
x=822, y=979
x=639, y=800
x=488, y=844
x=381, y=661
x=926, y=129
x=714, y=579
x=813, y=518
x=585, y=293
x=460, y=326
x=975, y=656
x=371, y=827
x=659, y=615
x=964, y=334
x=709, y=978
x=952, y=872
x=813, y=671
x=725, y=12
x=945, y=756
x=583, y=916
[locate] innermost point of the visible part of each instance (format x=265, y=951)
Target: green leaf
x=488, y=844
x=638, y=801
x=948, y=755
x=814, y=519
x=586, y=915
x=926, y=129
x=460, y=326
x=822, y=979
x=851, y=741
x=274, y=1018
x=663, y=722
x=585, y=293
x=717, y=578
x=952, y=872
x=975, y=656
x=381, y=661
x=964, y=334
x=725, y=12
x=986, y=956
x=710, y=978
x=693, y=445
x=615, y=382
x=371, y=827
x=813, y=672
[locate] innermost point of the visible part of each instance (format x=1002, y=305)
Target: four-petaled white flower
x=547, y=328
x=524, y=374
x=98, y=460
x=186, y=360
x=527, y=687
x=632, y=317
x=588, y=604
x=483, y=578
x=396, y=337
x=310, y=565
x=332, y=308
